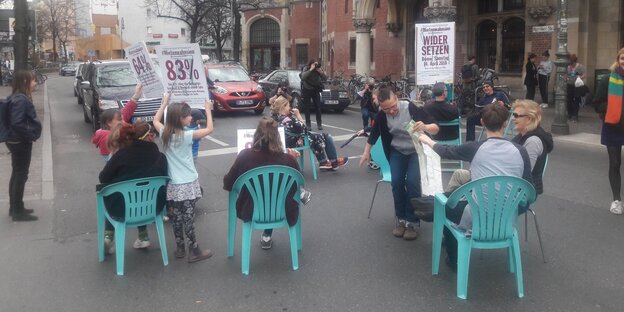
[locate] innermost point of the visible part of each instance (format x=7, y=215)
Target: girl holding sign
x=183, y=189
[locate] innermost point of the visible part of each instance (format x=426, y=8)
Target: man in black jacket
x=311, y=87
x=441, y=110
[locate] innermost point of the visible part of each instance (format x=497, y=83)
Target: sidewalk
x=35, y=186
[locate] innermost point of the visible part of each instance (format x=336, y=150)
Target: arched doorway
x=264, y=45
x=486, y=44
x=513, y=45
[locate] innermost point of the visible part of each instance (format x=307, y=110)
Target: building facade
x=376, y=37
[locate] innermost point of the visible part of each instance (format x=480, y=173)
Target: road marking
x=339, y=128
x=210, y=138
x=581, y=138
x=47, y=173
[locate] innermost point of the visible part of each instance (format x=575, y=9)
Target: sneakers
x=140, y=244
x=399, y=229
x=411, y=231
x=305, y=196
x=326, y=165
x=341, y=161
x=616, y=207
x=196, y=254
x=180, y=252
x=373, y=165
x=544, y=105
x=266, y=242
x=109, y=247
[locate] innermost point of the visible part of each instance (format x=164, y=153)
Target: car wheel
x=95, y=123
x=86, y=116
x=259, y=111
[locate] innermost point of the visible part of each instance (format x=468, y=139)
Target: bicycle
x=355, y=85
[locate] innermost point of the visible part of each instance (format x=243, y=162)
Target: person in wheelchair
x=490, y=97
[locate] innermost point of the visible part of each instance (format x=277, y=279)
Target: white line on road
x=339, y=128
x=210, y=138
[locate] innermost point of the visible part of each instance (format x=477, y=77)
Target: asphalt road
x=348, y=262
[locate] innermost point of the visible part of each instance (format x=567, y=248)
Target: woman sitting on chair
x=266, y=150
x=321, y=144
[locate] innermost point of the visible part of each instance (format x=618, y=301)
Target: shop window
x=486, y=44
x=513, y=45
x=513, y=5
x=302, y=55
x=352, y=51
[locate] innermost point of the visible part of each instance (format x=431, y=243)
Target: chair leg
x=245, y=248
x=373, y=200
x=438, y=229
x=463, y=266
x=312, y=164
x=231, y=232
x=539, y=234
x=120, y=240
x=101, y=219
x=518, y=263
x=526, y=232
x=160, y=229
x=292, y=231
x=298, y=228
x=511, y=258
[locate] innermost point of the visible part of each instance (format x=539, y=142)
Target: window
x=513, y=5
x=513, y=45
x=352, y=51
x=105, y=31
x=265, y=30
x=183, y=32
x=278, y=77
x=149, y=29
x=488, y=6
x=302, y=54
x=486, y=44
x=372, y=59
x=148, y=12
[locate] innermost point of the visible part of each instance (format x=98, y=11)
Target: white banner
x=144, y=70
x=183, y=74
x=244, y=138
x=435, y=53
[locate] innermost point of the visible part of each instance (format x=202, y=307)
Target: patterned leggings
x=183, y=215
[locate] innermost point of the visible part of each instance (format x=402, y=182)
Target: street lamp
x=560, y=124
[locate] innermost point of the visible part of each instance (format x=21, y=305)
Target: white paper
x=435, y=53
x=144, y=70
x=430, y=168
x=244, y=138
x=183, y=74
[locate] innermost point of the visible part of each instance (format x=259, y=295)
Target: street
x=348, y=262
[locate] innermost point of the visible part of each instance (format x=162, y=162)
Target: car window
x=278, y=76
x=117, y=75
x=293, y=78
x=226, y=74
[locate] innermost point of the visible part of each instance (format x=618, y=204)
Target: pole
x=560, y=124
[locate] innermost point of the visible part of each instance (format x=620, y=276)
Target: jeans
x=308, y=97
x=530, y=92
x=21, y=154
x=573, y=101
x=366, y=115
x=405, y=183
x=329, y=154
x=543, y=86
x=471, y=123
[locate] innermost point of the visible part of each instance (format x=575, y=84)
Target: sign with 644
x=144, y=70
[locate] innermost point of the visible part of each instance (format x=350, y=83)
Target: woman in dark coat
x=530, y=80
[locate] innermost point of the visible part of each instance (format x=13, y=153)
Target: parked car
x=233, y=90
x=110, y=84
x=68, y=69
x=77, y=81
x=334, y=97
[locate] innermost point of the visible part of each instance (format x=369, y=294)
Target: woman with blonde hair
x=613, y=129
x=527, y=116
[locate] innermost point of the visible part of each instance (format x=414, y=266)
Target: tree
x=22, y=31
x=57, y=21
x=218, y=26
x=191, y=12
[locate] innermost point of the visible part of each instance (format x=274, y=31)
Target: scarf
x=615, y=99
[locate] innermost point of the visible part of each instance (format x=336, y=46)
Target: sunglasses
x=516, y=115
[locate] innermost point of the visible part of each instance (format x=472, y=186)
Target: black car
x=334, y=97
x=110, y=84
x=68, y=69
x=78, y=80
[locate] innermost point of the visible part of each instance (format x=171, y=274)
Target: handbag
x=578, y=82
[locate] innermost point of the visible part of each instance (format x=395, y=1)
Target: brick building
x=376, y=37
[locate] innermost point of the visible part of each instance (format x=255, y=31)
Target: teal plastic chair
x=537, y=229
x=494, y=205
x=379, y=157
x=269, y=187
x=301, y=150
x=457, y=141
x=140, y=197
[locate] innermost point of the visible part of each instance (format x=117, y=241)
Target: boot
x=23, y=216
x=180, y=252
x=26, y=211
x=196, y=254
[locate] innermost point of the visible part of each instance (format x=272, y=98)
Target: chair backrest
x=140, y=197
x=494, y=204
x=545, y=165
x=379, y=157
x=269, y=187
x=456, y=123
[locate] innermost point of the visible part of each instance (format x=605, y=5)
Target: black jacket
x=23, y=123
x=443, y=111
x=312, y=80
x=540, y=163
x=531, y=74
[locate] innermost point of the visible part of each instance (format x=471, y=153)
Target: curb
x=47, y=173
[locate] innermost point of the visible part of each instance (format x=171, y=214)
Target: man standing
x=390, y=125
x=543, y=77
x=311, y=87
x=441, y=110
x=368, y=109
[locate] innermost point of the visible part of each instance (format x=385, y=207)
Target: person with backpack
x=312, y=78
x=23, y=129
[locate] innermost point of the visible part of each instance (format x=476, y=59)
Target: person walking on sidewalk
x=24, y=129
x=530, y=78
x=543, y=77
x=183, y=189
x=612, y=135
x=312, y=79
x=390, y=126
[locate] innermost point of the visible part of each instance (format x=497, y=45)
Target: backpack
x=4, y=119
x=466, y=71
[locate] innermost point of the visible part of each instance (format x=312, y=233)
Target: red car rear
x=233, y=90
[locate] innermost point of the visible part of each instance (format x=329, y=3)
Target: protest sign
x=144, y=70
x=435, y=53
x=244, y=138
x=183, y=74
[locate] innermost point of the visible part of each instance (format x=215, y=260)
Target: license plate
x=244, y=102
x=144, y=118
x=331, y=101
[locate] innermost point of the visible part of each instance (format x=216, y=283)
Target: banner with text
x=144, y=70
x=435, y=53
x=183, y=73
x=244, y=138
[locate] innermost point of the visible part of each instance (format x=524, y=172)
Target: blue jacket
x=23, y=123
